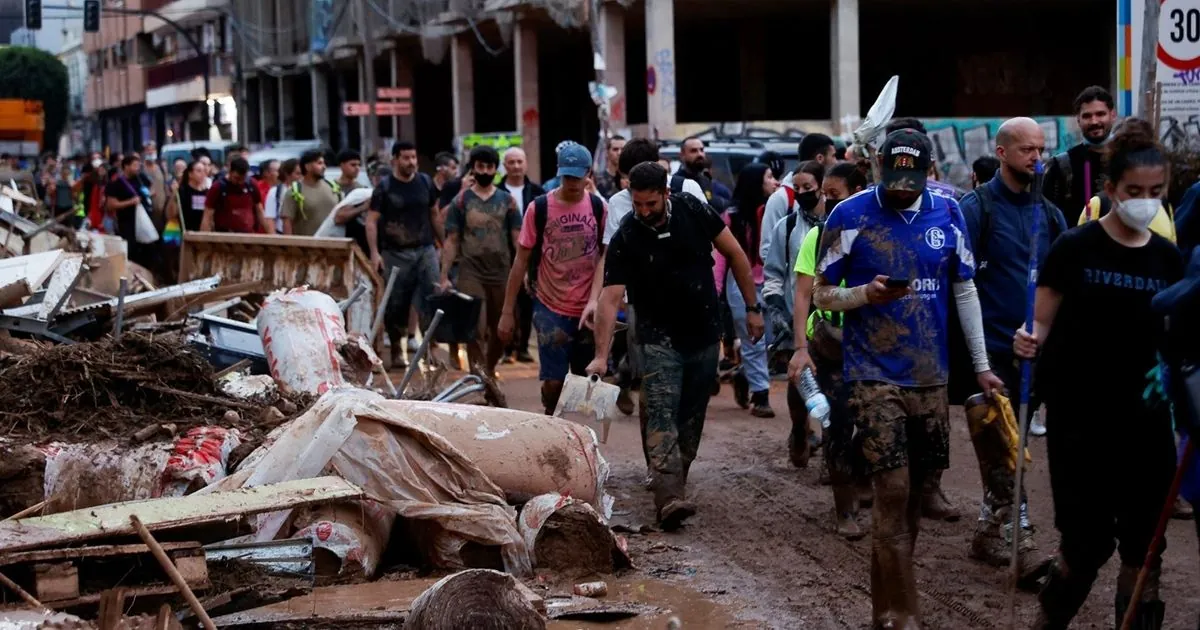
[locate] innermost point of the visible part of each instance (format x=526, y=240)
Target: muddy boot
x=866, y=495
x=673, y=508
x=893, y=586
x=1062, y=596
x=798, y=449
x=992, y=544
x=1183, y=511
x=934, y=504
x=625, y=402
x=845, y=512
x=760, y=404
x=551, y=390
x=741, y=389
x=1150, y=611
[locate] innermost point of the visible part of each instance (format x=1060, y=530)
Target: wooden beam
x=170, y=513
x=278, y=240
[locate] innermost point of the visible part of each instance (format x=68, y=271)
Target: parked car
x=729, y=157
x=175, y=150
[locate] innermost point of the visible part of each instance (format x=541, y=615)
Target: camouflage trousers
x=901, y=426
x=675, y=393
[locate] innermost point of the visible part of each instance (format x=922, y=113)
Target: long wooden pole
x=29, y=599
x=172, y=573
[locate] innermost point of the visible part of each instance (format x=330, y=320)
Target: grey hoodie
x=779, y=276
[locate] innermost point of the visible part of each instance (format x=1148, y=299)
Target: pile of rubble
x=213, y=454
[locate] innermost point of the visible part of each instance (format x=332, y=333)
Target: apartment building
x=161, y=70
x=80, y=133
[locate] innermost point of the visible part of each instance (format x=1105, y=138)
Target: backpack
x=541, y=212
x=298, y=196
x=961, y=378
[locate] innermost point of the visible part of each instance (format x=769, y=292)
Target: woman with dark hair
x=752, y=384
x=192, y=191
x=1111, y=456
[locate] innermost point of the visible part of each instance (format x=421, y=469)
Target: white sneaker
x=1037, y=424
x=413, y=344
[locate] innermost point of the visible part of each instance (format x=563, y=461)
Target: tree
x=37, y=75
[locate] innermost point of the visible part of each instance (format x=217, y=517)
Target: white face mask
x=1138, y=213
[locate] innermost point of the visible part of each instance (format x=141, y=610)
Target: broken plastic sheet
x=416, y=473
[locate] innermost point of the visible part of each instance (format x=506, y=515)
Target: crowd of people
x=898, y=294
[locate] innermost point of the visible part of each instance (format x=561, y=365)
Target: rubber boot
x=1062, y=596
x=845, y=511
x=741, y=389
x=551, y=390
x=992, y=544
x=1151, y=611
x=893, y=583
x=673, y=507
x=934, y=504
x=798, y=444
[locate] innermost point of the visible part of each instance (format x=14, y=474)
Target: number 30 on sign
x=1179, y=34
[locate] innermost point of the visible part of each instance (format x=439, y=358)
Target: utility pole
x=1149, y=62
x=368, y=49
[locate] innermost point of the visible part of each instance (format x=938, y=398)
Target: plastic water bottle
x=814, y=400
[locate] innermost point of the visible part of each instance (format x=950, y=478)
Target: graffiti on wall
x=958, y=142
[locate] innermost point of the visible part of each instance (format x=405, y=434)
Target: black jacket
x=529, y=193
x=1064, y=186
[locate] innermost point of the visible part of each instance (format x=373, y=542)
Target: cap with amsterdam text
x=905, y=160
x=574, y=160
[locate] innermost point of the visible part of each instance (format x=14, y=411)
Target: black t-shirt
x=669, y=278
x=191, y=202
x=122, y=189
x=1104, y=334
x=404, y=208
x=448, y=191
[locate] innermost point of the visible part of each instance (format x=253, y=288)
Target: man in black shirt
x=662, y=256
x=1067, y=175
x=401, y=226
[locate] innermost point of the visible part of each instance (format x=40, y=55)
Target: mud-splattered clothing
x=675, y=393
x=902, y=342
x=404, y=220
x=843, y=453
x=897, y=425
x=570, y=252
x=667, y=273
x=485, y=227
x=563, y=345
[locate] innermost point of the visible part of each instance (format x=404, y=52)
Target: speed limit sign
x=1179, y=34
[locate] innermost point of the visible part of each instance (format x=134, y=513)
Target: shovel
x=589, y=396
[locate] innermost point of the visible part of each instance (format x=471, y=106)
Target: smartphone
x=896, y=283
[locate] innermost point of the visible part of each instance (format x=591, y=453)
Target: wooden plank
x=56, y=581
x=34, y=269
x=194, y=568
x=61, y=283
x=99, y=551
x=279, y=240
x=140, y=591
x=169, y=513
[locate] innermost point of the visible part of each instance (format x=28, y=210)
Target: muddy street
x=762, y=546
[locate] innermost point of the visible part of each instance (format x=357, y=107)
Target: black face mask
x=485, y=179
x=808, y=200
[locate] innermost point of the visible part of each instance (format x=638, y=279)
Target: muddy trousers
x=1109, y=485
x=675, y=393
x=418, y=272
x=842, y=456
x=485, y=349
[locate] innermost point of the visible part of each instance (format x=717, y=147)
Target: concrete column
x=660, y=67
x=404, y=127
x=320, y=104
x=280, y=107
x=362, y=98
x=525, y=56
x=261, y=84
x=462, y=82
x=844, y=66
x=612, y=37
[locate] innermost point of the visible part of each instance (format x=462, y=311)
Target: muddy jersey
x=903, y=342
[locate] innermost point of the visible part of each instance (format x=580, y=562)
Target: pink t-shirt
x=569, y=253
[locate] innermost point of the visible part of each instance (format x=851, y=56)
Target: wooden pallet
x=53, y=575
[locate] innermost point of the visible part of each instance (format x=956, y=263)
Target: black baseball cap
x=905, y=160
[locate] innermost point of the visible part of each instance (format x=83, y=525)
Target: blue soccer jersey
x=903, y=342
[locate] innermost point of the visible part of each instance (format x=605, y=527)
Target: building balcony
x=183, y=12
x=171, y=72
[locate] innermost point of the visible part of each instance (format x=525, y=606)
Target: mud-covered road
x=762, y=545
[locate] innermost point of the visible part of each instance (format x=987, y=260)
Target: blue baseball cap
x=574, y=160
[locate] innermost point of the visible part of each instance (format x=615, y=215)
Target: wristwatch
x=754, y=308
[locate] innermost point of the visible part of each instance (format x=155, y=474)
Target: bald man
x=523, y=192
x=999, y=221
